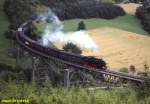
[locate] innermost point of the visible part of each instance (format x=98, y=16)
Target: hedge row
x=143, y=14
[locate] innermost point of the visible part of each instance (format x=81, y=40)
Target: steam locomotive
x=94, y=62
x=87, y=61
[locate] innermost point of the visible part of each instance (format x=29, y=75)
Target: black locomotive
x=94, y=62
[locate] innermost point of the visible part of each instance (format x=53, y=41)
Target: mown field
x=121, y=48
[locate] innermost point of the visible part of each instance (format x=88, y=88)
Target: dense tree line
x=70, y=9
x=143, y=13
x=19, y=11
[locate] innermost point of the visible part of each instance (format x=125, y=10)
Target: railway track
x=22, y=39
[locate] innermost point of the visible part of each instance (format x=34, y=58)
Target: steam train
x=87, y=61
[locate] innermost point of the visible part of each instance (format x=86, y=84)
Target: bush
x=70, y=47
x=132, y=69
x=10, y=35
x=143, y=14
x=81, y=26
x=125, y=70
x=143, y=89
x=7, y=72
x=5, y=67
x=14, y=73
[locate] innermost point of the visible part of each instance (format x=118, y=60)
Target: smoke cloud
x=53, y=33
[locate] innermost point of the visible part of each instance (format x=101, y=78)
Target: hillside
x=121, y=41
x=4, y=43
x=122, y=47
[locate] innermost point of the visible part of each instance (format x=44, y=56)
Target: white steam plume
x=53, y=33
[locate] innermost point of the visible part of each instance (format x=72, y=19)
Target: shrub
x=81, y=26
x=143, y=89
x=125, y=70
x=5, y=67
x=132, y=69
x=10, y=35
x=70, y=47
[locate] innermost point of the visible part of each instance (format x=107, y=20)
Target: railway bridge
x=48, y=61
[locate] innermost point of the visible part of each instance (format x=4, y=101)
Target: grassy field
x=127, y=23
x=4, y=43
